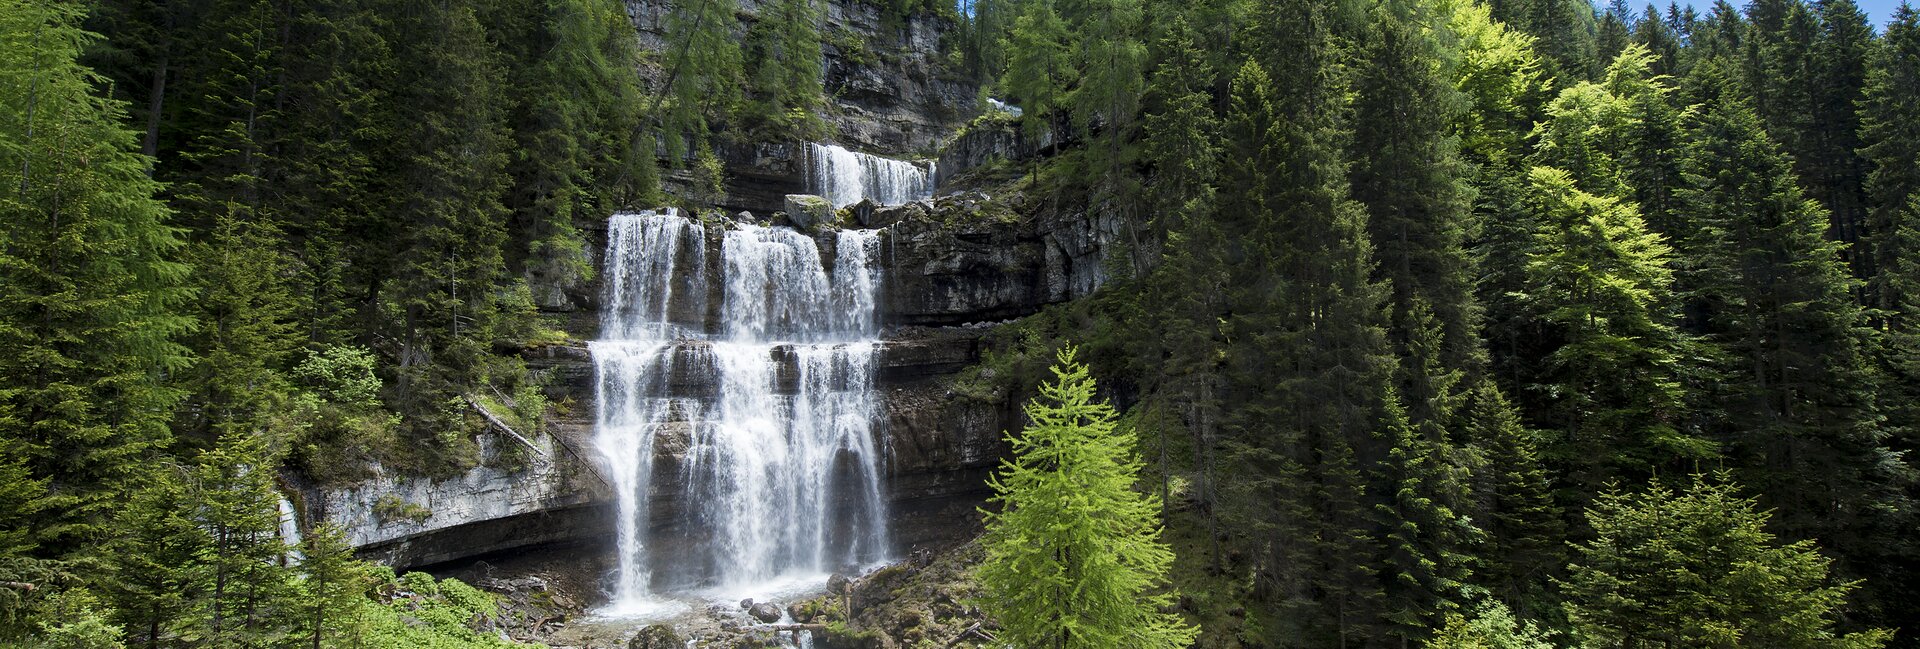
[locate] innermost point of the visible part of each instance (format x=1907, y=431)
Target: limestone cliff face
x=952, y=268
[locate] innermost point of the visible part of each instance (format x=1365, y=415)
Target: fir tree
x=784, y=51
x=89, y=290
x=1699, y=568
x=1798, y=398
x=703, y=73
x=1890, y=130
x=1523, y=524
x=1407, y=172
x=1074, y=557
x=1039, y=69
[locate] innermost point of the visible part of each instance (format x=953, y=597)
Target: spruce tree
x=1699, y=568
x=1828, y=162
x=1407, y=172
x=703, y=62
x=1890, y=131
x=784, y=55
x=1039, y=68
x=89, y=290
x=1798, y=410
x=1524, y=525
x=1074, y=557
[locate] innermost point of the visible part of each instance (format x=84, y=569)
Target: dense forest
x=1440, y=323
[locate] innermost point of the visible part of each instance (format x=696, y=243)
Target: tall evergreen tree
x=1407, y=172
x=1890, y=130
x=784, y=52
x=1039, y=68
x=1827, y=161
x=703, y=62
x=1799, y=412
x=1074, y=557
x=89, y=290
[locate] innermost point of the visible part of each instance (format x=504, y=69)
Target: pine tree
x=1828, y=162
x=1039, y=69
x=335, y=588
x=1890, y=131
x=1074, y=557
x=1698, y=568
x=246, y=594
x=442, y=300
x=1111, y=61
x=154, y=567
x=784, y=52
x=703, y=74
x=89, y=291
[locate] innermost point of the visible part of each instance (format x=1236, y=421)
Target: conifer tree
x=785, y=55
x=1407, y=172
x=1890, y=130
x=335, y=586
x=1111, y=58
x=1798, y=398
x=1524, y=526
x=1039, y=67
x=154, y=565
x=1828, y=162
x=442, y=300
x=1699, y=568
x=246, y=595
x=89, y=289
x=703, y=62
x=1074, y=557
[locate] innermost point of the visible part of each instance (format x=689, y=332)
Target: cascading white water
x=780, y=476
x=846, y=177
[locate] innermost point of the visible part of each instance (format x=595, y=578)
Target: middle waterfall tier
x=846, y=177
x=749, y=381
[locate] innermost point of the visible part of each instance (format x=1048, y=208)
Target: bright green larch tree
x=1074, y=556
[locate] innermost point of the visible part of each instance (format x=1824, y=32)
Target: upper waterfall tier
x=847, y=177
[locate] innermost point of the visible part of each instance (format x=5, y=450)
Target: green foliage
x=703, y=71
x=783, y=53
x=1607, y=382
x=415, y=612
x=1074, y=557
x=1490, y=626
x=89, y=286
x=1698, y=568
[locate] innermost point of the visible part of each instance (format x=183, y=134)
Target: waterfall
x=845, y=177
x=763, y=410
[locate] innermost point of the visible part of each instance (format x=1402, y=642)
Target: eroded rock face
x=891, y=90
x=965, y=259
x=517, y=497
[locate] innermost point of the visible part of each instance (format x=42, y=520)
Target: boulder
x=838, y=584
x=765, y=612
x=807, y=211
x=657, y=636
x=746, y=604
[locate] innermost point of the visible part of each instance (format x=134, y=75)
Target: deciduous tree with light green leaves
x=1074, y=556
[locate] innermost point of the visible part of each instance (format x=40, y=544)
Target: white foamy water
x=769, y=409
x=846, y=177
